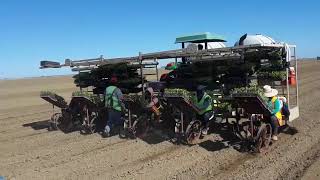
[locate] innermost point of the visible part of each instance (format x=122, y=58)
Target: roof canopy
x=200, y=38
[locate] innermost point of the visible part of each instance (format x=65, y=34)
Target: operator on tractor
x=274, y=105
x=204, y=105
x=114, y=105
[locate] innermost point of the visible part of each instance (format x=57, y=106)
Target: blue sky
x=33, y=30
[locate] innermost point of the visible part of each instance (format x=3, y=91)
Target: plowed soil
x=29, y=151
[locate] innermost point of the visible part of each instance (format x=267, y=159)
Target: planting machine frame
x=254, y=129
x=80, y=114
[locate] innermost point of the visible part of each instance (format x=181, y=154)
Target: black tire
x=263, y=138
x=58, y=122
x=193, y=132
x=140, y=127
x=123, y=133
x=89, y=128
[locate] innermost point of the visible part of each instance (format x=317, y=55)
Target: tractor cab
x=201, y=41
x=191, y=43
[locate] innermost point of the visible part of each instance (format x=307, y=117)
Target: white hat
x=269, y=92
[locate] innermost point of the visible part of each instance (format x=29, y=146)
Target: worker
x=205, y=109
x=115, y=106
x=285, y=112
x=274, y=105
x=153, y=103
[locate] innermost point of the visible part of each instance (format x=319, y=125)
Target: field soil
x=29, y=151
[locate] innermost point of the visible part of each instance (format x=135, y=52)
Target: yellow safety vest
x=111, y=99
x=200, y=103
x=278, y=114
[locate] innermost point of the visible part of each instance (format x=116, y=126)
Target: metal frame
x=218, y=54
x=223, y=53
x=294, y=111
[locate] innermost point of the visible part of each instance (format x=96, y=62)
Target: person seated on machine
x=284, y=108
x=274, y=105
x=204, y=105
x=153, y=104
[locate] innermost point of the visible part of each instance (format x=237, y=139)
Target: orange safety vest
x=156, y=108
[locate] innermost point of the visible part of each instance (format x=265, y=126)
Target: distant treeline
x=309, y=59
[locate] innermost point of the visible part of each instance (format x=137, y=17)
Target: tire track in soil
x=311, y=82
x=25, y=115
x=131, y=169
x=298, y=169
x=238, y=161
x=22, y=110
x=53, y=140
x=25, y=124
x=24, y=120
x=99, y=159
x=304, y=76
x=119, y=170
x=88, y=152
x=13, y=134
x=24, y=136
x=53, y=158
x=227, y=168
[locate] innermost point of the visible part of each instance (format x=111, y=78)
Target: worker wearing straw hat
x=275, y=107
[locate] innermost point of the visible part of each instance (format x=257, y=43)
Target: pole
x=79, y=79
x=183, y=58
x=157, y=72
x=296, y=71
x=141, y=72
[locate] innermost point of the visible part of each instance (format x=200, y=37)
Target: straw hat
x=269, y=92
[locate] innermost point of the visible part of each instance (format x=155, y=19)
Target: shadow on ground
x=157, y=135
x=290, y=130
x=227, y=140
x=38, y=125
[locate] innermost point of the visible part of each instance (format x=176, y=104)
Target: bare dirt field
x=29, y=151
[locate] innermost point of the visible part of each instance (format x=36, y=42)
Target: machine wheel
x=123, y=133
x=59, y=123
x=263, y=138
x=89, y=127
x=140, y=127
x=89, y=120
x=193, y=132
x=126, y=132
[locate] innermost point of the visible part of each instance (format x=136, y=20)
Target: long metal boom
x=193, y=54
